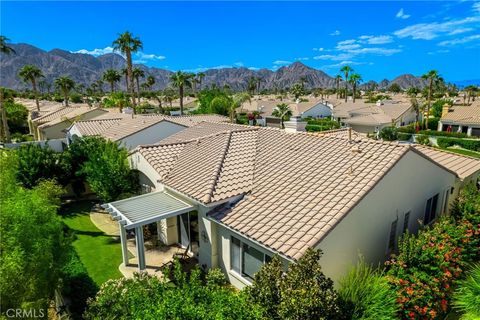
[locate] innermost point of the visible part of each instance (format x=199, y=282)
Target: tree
x=346, y=70
x=395, y=88
x=389, y=133
x=200, y=77
x=17, y=115
x=125, y=73
x=338, y=78
x=112, y=76
x=236, y=102
x=181, y=80
x=252, y=85
x=416, y=106
x=148, y=297
x=265, y=288
x=5, y=132
x=33, y=245
x=150, y=81
x=471, y=91
x=354, y=80
x=106, y=169
x=137, y=74
x=65, y=85
x=412, y=92
x=283, y=112
x=117, y=100
x=297, y=90
x=127, y=44
x=432, y=76
x=30, y=73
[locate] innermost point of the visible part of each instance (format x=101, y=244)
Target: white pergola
x=135, y=212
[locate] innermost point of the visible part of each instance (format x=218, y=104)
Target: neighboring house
x=53, y=125
x=314, y=108
x=237, y=197
x=464, y=119
x=132, y=131
x=371, y=118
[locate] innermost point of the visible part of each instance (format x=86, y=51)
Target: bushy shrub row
x=464, y=143
x=424, y=271
x=404, y=136
x=443, y=133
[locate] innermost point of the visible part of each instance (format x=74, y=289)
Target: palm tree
x=354, y=80
x=137, y=74
x=181, y=80
x=65, y=84
x=302, y=81
x=415, y=104
x=252, y=85
x=200, y=77
x=30, y=73
x=150, y=82
x=5, y=49
x=338, y=78
x=125, y=73
x=99, y=85
x=237, y=101
x=127, y=44
x=297, y=90
x=346, y=71
x=432, y=76
x=282, y=111
x=112, y=76
x=470, y=90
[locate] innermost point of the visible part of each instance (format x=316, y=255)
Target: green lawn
x=465, y=152
x=100, y=253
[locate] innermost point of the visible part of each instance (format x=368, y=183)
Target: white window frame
x=241, y=272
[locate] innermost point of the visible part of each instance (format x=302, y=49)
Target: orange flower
x=433, y=313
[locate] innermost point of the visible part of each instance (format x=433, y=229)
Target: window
x=430, y=209
x=405, y=221
x=245, y=259
x=393, y=236
x=235, y=253
x=445, y=201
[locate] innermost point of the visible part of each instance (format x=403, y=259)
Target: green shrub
x=215, y=277
x=463, y=143
x=466, y=298
x=443, y=133
x=368, y=292
x=389, y=134
x=433, y=123
x=404, y=136
x=407, y=129
x=76, y=98
x=422, y=139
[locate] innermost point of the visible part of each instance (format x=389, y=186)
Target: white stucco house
x=237, y=195
x=131, y=131
x=465, y=119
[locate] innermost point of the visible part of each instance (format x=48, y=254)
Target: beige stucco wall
x=365, y=230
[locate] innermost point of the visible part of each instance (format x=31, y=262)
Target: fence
x=55, y=144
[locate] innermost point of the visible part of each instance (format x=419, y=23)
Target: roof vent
x=356, y=149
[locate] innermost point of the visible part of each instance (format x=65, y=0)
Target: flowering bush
x=428, y=264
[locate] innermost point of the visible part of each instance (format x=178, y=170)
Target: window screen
x=252, y=261
x=235, y=254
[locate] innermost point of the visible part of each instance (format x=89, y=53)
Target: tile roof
x=95, y=126
x=63, y=114
x=369, y=113
x=191, y=120
x=463, y=115
x=129, y=126
x=463, y=166
x=298, y=186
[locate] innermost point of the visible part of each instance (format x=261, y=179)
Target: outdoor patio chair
x=183, y=255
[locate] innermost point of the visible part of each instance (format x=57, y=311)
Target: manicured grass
x=100, y=253
x=465, y=152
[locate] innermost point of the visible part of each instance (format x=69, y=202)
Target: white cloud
x=438, y=52
x=334, y=57
x=147, y=57
x=238, y=64
x=382, y=39
x=402, y=15
x=463, y=40
x=281, y=62
x=460, y=30
x=318, y=49
x=476, y=7
x=342, y=63
x=429, y=31
x=335, y=33
x=302, y=59
x=95, y=52
x=375, y=51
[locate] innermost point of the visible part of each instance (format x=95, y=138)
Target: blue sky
x=378, y=39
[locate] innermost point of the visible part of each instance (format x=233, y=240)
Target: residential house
x=131, y=131
x=372, y=118
x=464, y=119
x=54, y=124
x=313, y=108
x=237, y=195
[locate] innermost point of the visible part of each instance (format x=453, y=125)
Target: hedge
x=443, y=133
x=473, y=145
x=402, y=136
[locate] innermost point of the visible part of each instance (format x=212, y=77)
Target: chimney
x=295, y=124
x=445, y=109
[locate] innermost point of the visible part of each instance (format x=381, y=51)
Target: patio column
x=123, y=240
x=140, y=248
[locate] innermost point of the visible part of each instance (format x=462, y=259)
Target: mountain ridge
x=85, y=69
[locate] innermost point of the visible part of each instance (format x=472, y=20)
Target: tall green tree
x=432, y=76
x=346, y=70
x=127, y=44
x=30, y=73
x=297, y=90
x=112, y=76
x=338, y=78
x=283, y=112
x=181, y=80
x=137, y=74
x=5, y=132
x=125, y=74
x=200, y=76
x=150, y=82
x=65, y=85
x=355, y=79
